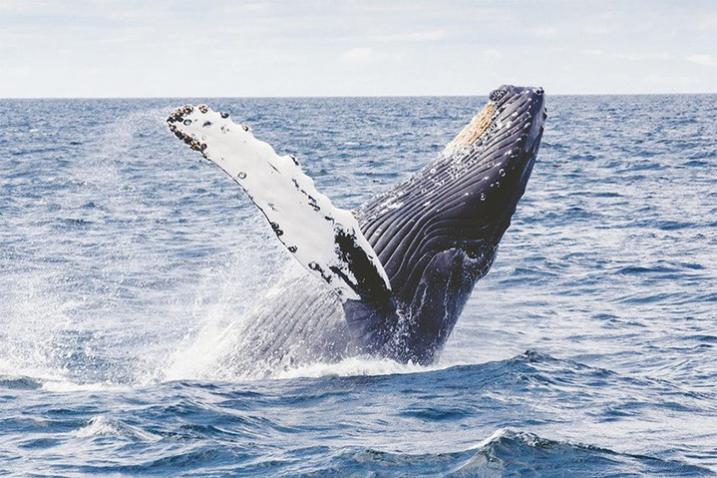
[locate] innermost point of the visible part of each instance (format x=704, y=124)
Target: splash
x=207, y=351
x=354, y=366
x=37, y=328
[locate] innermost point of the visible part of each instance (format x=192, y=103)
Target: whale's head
x=437, y=233
x=484, y=170
x=504, y=136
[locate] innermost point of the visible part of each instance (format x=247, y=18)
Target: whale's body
x=398, y=278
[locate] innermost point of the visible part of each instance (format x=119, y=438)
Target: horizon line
x=3, y=98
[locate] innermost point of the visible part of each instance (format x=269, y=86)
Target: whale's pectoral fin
x=325, y=239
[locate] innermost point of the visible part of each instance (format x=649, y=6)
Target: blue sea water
x=588, y=350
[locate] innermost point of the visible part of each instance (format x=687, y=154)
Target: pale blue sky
x=326, y=48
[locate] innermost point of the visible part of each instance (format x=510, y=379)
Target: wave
x=507, y=453
x=354, y=366
x=19, y=383
x=504, y=453
x=102, y=425
x=515, y=453
x=428, y=397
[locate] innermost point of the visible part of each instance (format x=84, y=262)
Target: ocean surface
x=590, y=349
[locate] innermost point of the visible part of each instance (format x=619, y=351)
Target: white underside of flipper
x=314, y=230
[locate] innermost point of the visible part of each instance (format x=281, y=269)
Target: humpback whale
x=398, y=271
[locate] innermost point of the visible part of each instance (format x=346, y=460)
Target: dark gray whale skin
x=445, y=234
x=438, y=238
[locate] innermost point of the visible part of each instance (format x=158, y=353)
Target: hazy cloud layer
x=353, y=47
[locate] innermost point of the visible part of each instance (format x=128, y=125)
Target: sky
x=178, y=48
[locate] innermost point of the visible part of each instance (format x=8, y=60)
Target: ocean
x=589, y=349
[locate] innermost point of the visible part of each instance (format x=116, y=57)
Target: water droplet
x=187, y=122
x=482, y=196
x=241, y=175
x=502, y=172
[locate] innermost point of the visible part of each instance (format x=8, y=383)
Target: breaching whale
x=397, y=271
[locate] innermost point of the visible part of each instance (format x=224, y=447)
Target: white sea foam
x=102, y=425
x=357, y=366
x=62, y=386
x=97, y=426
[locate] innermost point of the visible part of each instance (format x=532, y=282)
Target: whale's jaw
x=437, y=233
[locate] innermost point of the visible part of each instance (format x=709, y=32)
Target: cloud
x=492, y=53
x=546, y=32
x=423, y=36
x=594, y=51
x=19, y=6
x=358, y=56
x=702, y=59
x=643, y=56
x=708, y=23
x=599, y=29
